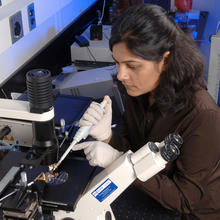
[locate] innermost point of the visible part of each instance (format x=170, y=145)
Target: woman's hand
x=99, y=118
x=98, y=153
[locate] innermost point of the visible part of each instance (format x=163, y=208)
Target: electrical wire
x=9, y=194
x=103, y=9
x=217, y=27
x=91, y=54
x=4, y=93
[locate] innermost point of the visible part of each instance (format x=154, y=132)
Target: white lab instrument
x=214, y=68
x=113, y=180
x=82, y=83
x=97, y=51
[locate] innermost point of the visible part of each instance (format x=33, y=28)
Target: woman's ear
x=165, y=60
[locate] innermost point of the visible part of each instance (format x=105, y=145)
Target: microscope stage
x=56, y=196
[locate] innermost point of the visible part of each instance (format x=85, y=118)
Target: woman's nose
x=122, y=75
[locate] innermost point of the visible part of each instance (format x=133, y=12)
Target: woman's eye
x=132, y=67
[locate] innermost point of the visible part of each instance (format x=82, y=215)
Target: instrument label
x=104, y=190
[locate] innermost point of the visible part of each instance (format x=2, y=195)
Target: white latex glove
x=98, y=153
x=101, y=119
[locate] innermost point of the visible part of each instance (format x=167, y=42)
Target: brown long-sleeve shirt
x=190, y=184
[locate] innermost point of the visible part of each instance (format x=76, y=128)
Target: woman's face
x=139, y=76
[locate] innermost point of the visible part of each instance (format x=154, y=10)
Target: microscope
x=39, y=110
x=30, y=189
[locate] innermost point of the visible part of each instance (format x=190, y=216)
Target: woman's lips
x=128, y=86
x=125, y=84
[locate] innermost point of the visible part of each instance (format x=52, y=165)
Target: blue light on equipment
x=31, y=17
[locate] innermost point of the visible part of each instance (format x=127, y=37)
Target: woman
x=162, y=73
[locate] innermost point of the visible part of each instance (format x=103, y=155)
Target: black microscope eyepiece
x=171, y=148
x=39, y=88
x=174, y=138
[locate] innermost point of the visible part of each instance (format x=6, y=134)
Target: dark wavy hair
x=149, y=31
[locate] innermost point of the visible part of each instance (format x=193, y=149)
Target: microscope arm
x=20, y=110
